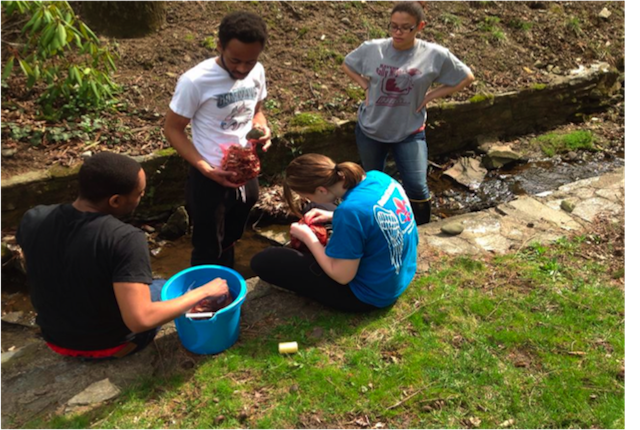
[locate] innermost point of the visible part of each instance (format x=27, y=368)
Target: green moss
x=311, y=123
x=58, y=171
x=166, y=152
x=481, y=97
x=556, y=143
x=538, y=87
x=447, y=105
x=306, y=119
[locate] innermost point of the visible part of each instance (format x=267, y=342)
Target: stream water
x=451, y=199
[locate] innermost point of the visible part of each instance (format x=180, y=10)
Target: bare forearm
x=446, y=90
x=159, y=313
x=259, y=118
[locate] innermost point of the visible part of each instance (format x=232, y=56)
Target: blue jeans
x=410, y=156
x=156, y=289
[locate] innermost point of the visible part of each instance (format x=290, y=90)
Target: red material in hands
x=243, y=161
x=319, y=230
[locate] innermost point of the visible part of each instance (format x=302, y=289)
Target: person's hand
x=303, y=233
x=217, y=288
x=265, y=140
x=318, y=216
x=220, y=176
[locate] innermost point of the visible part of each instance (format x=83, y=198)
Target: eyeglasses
x=394, y=28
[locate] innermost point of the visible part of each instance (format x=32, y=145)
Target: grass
x=534, y=339
x=319, y=57
x=519, y=24
x=208, y=42
x=574, y=25
x=557, y=143
x=490, y=26
x=374, y=31
x=451, y=20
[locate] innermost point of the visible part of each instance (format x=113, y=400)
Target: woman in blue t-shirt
x=370, y=258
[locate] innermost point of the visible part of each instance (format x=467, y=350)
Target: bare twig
x=17, y=45
x=497, y=306
x=411, y=396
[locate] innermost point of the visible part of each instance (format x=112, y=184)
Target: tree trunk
x=122, y=19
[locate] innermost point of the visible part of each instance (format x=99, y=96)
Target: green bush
x=61, y=52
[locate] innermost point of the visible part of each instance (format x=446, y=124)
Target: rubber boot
x=421, y=210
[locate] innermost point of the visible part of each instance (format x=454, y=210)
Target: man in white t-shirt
x=222, y=99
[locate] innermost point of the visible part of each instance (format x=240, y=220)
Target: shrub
x=63, y=53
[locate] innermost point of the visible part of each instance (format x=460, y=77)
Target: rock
x=8, y=356
x=97, y=392
x=6, y=253
x=498, y=156
x=13, y=317
x=176, y=226
x=86, y=154
x=255, y=134
x=556, y=70
x=468, y=172
x=539, y=64
x=345, y=21
x=570, y=156
x=485, y=143
x=275, y=233
x=604, y=13
x=567, y=206
x=452, y=228
x=8, y=153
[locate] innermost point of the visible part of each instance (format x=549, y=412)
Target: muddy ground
x=508, y=45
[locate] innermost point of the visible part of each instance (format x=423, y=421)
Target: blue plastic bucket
x=221, y=331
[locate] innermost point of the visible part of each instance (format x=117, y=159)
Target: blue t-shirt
x=375, y=223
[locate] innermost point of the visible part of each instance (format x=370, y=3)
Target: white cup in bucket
x=221, y=331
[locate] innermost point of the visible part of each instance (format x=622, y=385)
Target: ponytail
x=310, y=171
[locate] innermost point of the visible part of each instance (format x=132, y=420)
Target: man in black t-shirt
x=89, y=273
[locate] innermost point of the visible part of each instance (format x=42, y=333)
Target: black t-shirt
x=73, y=258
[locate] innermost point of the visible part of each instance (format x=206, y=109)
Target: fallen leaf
x=577, y=353
x=475, y=421
x=508, y=423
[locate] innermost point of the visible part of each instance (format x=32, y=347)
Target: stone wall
x=450, y=127
x=166, y=175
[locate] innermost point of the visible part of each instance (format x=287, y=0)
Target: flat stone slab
x=589, y=209
x=529, y=208
x=97, y=392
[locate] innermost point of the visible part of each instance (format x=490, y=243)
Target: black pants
x=219, y=215
x=299, y=272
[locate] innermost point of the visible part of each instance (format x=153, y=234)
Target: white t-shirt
x=221, y=109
